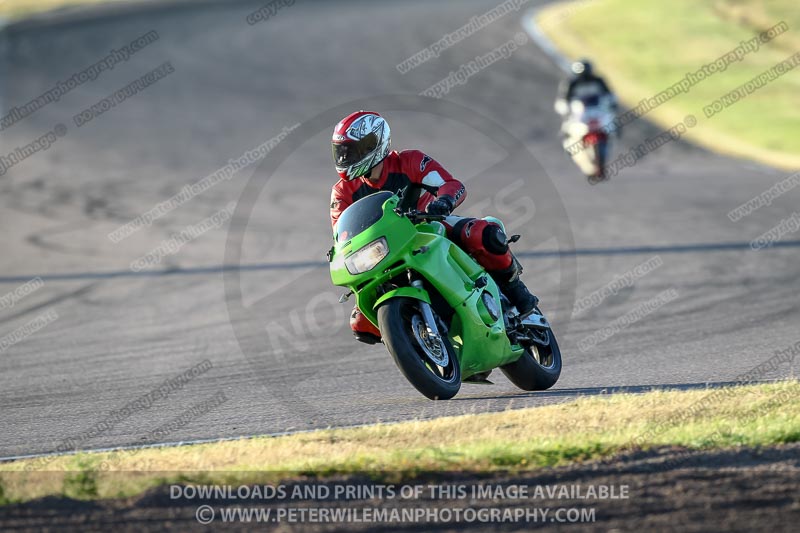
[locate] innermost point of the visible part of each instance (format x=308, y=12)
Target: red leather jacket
x=399, y=169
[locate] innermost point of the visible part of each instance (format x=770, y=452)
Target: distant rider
x=584, y=85
x=366, y=165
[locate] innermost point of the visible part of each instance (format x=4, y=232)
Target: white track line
x=542, y=41
x=134, y=447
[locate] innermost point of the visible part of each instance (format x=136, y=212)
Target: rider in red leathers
x=366, y=165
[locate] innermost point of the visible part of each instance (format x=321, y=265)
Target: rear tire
x=530, y=374
x=602, y=150
x=396, y=322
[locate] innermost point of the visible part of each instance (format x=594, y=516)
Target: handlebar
x=418, y=216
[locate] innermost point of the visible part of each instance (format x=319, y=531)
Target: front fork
x=427, y=312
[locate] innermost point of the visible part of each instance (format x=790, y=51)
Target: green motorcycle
x=441, y=316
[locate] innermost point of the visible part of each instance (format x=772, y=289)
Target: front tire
x=538, y=368
x=411, y=350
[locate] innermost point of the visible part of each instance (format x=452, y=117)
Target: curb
x=542, y=41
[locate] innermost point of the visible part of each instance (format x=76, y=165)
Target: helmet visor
x=352, y=152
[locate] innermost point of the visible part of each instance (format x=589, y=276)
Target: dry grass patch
x=588, y=428
x=17, y=9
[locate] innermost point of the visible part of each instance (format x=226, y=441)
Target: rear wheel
x=540, y=366
x=428, y=363
x=602, y=150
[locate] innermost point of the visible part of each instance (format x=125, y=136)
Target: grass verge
x=525, y=439
x=18, y=9
x=644, y=49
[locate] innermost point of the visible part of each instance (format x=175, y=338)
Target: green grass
x=517, y=440
x=17, y=9
x=643, y=48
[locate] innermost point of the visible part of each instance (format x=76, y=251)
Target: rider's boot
x=366, y=338
x=363, y=330
x=515, y=290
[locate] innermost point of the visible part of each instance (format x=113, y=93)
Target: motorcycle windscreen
x=361, y=215
x=591, y=101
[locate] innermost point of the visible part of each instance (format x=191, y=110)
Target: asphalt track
x=231, y=295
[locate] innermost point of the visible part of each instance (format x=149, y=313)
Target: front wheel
x=428, y=363
x=539, y=367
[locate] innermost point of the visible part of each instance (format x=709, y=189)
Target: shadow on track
x=218, y=269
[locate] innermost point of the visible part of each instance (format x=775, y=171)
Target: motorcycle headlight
x=367, y=257
x=578, y=107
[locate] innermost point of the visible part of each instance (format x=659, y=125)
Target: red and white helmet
x=360, y=141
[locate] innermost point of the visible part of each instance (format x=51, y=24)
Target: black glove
x=443, y=205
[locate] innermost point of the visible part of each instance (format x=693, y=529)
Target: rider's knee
x=488, y=244
x=482, y=235
x=494, y=239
